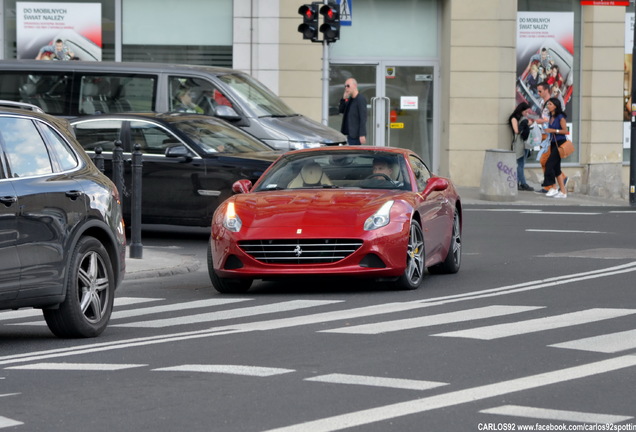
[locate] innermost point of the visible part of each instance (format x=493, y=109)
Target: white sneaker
x=560, y=195
x=552, y=192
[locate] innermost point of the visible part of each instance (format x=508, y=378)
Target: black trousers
x=552, y=165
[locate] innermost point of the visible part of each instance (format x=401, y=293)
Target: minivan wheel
x=90, y=291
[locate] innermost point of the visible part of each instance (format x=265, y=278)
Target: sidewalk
x=168, y=261
x=158, y=262
x=471, y=196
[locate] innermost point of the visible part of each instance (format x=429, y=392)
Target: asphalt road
x=537, y=329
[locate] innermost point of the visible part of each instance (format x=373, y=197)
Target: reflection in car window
x=259, y=98
x=213, y=137
x=422, y=174
x=26, y=153
x=341, y=169
x=98, y=133
x=63, y=154
x=152, y=138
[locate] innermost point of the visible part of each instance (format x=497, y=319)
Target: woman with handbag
x=515, y=121
x=558, y=129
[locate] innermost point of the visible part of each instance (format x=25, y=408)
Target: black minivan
x=62, y=237
x=79, y=88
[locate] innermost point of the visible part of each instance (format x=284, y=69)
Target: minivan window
x=49, y=91
x=259, y=98
x=116, y=93
x=195, y=95
x=26, y=152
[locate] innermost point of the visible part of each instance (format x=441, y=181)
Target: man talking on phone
x=353, y=106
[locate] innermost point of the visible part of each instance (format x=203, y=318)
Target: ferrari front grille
x=312, y=251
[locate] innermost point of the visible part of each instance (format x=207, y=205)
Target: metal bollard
x=118, y=168
x=98, y=160
x=136, y=248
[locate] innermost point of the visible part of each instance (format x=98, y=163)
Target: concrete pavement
x=169, y=261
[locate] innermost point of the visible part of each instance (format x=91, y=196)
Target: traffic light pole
x=331, y=32
x=325, y=82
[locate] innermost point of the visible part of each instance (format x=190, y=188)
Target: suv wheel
x=90, y=291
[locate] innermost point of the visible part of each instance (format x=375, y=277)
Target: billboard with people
x=59, y=31
x=545, y=53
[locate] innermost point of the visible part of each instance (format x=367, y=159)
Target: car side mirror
x=226, y=113
x=435, y=184
x=242, y=186
x=178, y=151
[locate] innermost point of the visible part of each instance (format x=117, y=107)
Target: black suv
x=62, y=238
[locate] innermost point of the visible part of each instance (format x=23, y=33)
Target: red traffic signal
x=309, y=27
x=331, y=25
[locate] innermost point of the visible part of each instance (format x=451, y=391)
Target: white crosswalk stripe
x=558, y=415
x=7, y=422
x=399, y=383
x=233, y=313
x=76, y=366
x=432, y=320
x=607, y=343
x=160, y=309
x=228, y=369
x=540, y=324
x=29, y=313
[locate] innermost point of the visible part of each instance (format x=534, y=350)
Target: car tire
x=454, y=257
x=90, y=292
x=225, y=285
x=414, y=272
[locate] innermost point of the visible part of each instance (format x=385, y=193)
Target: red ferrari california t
x=355, y=211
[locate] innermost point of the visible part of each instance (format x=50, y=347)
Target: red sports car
x=373, y=212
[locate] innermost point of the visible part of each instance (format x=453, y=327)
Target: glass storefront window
x=388, y=29
x=196, y=32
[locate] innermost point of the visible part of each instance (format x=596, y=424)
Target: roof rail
x=22, y=105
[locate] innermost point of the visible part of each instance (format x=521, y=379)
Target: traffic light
x=309, y=27
x=331, y=22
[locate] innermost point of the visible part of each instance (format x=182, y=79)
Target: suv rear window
x=26, y=152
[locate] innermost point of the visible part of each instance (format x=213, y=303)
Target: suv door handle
x=8, y=200
x=73, y=194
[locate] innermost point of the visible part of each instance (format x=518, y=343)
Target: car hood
x=304, y=208
x=301, y=128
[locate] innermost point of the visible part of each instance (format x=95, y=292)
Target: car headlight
x=231, y=221
x=297, y=145
x=380, y=218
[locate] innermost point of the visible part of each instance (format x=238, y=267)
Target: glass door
x=400, y=101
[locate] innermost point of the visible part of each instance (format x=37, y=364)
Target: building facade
x=440, y=76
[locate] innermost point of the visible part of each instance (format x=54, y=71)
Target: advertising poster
x=77, y=25
x=545, y=52
x=627, y=81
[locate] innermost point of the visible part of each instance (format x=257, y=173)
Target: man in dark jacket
x=354, y=107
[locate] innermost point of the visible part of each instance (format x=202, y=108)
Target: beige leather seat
x=311, y=174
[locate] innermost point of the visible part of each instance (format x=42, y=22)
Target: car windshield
x=213, y=137
x=337, y=169
x=259, y=98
